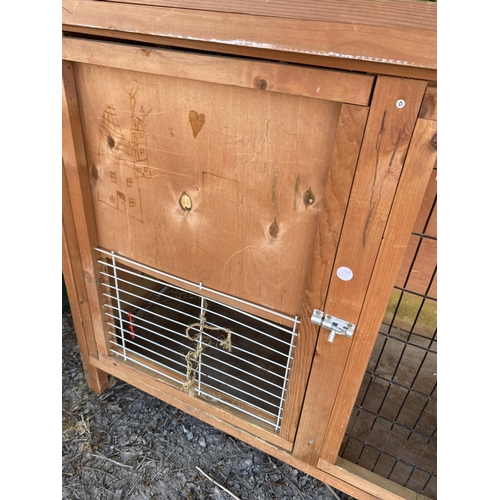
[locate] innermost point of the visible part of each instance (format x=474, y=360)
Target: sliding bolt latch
x=336, y=326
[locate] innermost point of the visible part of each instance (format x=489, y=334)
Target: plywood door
x=233, y=174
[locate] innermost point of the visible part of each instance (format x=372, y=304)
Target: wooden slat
x=369, y=481
x=385, y=144
x=418, y=167
x=413, y=15
x=257, y=53
x=344, y=158
x=321, y=84
x=75, y=165
x=412, y=48
x=429, y=104
x=97, y=380
x=251, y=436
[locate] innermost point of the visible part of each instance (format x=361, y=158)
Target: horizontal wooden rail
x=309, y=82
x=384, y=45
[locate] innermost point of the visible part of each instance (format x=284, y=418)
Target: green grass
x=408, y=310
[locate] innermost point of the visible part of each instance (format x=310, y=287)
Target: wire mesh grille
x=208, y=349
x=393, y=429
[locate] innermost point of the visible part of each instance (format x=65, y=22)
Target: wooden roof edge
x=407, y=51
x=411, y=14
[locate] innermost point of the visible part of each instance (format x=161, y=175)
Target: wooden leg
x=74, y=280
x=97, y=380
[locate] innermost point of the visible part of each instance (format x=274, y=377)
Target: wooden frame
x=396, y=39
x=387, y=150
x=349, y=88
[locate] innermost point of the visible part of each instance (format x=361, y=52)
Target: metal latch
x=336, y=326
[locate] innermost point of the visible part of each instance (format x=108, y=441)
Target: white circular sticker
x=344, y=273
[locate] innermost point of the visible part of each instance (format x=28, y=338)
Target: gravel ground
x=126, y=444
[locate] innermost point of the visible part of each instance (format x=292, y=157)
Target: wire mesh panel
x=208, y=349
x=393, y=428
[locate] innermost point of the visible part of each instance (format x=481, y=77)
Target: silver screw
x=400, y=103
x=311, y=441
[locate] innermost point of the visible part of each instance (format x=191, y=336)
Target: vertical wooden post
x=413, y=183
x=97, y=380
x=393, y=114
x=352, y=122
x=80, y=201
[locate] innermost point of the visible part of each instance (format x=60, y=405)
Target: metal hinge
x=336, y=326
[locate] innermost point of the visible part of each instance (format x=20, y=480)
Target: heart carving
x=197, y=121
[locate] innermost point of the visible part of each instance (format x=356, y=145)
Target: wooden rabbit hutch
x=242, y=187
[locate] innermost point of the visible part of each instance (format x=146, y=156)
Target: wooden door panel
x=241, y=189
x=385, y=143
x=252, y=165
x=418, y=165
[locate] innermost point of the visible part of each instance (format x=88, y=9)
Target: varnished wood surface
x=369, y=481
x=380, y=46
x=308, y=82
x=97, y=380
x=272, y=160
x=78, y=185
x=395, y=13
x=319, y=61
x=343, y=164
x=246, y=159
x=418, y=167
x=419, y=262
x=398, y=46
x=385, y=143
x=429, y=104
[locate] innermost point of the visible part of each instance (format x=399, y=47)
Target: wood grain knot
x=274, y=229
x=260, y=84
x=185, y=201
x=434, y=142
x=309, y=197
x=94, y=172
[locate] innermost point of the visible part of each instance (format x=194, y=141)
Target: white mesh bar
x=198, y=285
x=244, y=371
x=260, y=344
x=204, y=343
x=162, y=373
x=242, y=381
x=232, y=396
x=118, y=304
x=251, y=378
x=227, y=403
x=282, y=400
x=171, y=297
x=132, y=343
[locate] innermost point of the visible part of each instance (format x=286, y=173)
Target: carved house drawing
x=122, y=162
